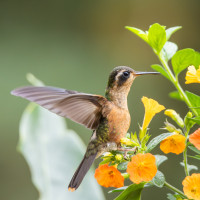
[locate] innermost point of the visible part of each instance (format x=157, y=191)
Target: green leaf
x=160, y=159
x=171, y=196
x=169, y=50
x=195, y=157
x=197, y=60
x=122, y=166
x=190, y=167
x=171, y=31
x=118, y=189
x=175, y=95
x=159, y=179
x=182, y=59
x=157, y=37
x=160, y=69
x=174, y=196
x=138, y=32
x=194, y=149
x=133, y=192
x=106, y=160
x=195, y=119
x=53, y=152
x=195, y=100
x=155, y=141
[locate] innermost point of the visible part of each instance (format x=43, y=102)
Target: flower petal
x=191, y=186
x=142, y=168
x=152, y=107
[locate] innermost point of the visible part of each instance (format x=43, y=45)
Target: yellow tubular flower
x=192, y=75
x=152, y=107
x=191, y=186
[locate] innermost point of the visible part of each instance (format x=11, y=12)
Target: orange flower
x=194, y=138
x=109, y=176
x=173, y=144
x=192, y=75
x=191, y=186
x=142, y=168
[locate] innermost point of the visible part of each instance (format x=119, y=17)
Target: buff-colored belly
x=119, y=122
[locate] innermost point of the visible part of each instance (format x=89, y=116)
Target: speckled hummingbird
x=107, y=116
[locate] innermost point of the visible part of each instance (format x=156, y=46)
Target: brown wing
x=82, y=108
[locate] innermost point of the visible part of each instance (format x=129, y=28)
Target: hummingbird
x=108, y=117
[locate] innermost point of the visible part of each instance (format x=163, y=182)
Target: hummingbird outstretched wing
x=80, y=107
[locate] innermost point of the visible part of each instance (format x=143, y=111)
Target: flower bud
x=127, y=142
x=171, y=128
x=175, y=116
x=118, y=157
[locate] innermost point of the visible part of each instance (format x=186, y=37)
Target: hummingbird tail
x=81, y=172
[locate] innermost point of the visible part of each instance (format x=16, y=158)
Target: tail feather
x=81, y=172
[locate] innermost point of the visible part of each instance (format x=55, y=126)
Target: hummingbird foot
x=126, y=150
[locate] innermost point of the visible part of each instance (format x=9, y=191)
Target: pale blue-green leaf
x=122, y=166
x=160, y=159
x=160, y=69
x=190, y=167
x=53, y=152
x=133, y=192
x=194, y=100
x=175, y=95
x=159, y=179
x=169, y=50
x=138, y=32
x=171, y=31
x=33, y=80
x=155, y=141
x=171, y=196
x=118, y=189
x=182, y=59
x=157, y=37
x=194, y=149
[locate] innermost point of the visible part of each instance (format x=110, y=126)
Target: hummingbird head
x=120, y=81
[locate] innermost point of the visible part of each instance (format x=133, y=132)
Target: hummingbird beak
x=136, y=73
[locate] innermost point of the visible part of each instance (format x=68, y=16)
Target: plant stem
x=171, y=187
x=174, y=80
x=185, y=157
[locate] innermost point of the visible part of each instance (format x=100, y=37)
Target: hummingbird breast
x=118, y=123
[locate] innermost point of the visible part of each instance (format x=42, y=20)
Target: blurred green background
x=74, y=44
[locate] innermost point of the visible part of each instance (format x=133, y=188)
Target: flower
x=173, y=144
x=175, y=116
x=194, y=138
x=118, y=157
x=109, y=176
x=152, y=107
x=142, y=168
x=191, y=186
x=192, y=75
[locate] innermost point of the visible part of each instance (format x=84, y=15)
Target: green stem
x=171, y=187
x=185, y=157
x=174, y=80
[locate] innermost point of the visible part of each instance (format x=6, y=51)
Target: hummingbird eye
x=126, y=73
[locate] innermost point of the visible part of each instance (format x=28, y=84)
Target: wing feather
x=80, y=107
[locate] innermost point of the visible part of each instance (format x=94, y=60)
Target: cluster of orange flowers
x=142, y=167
